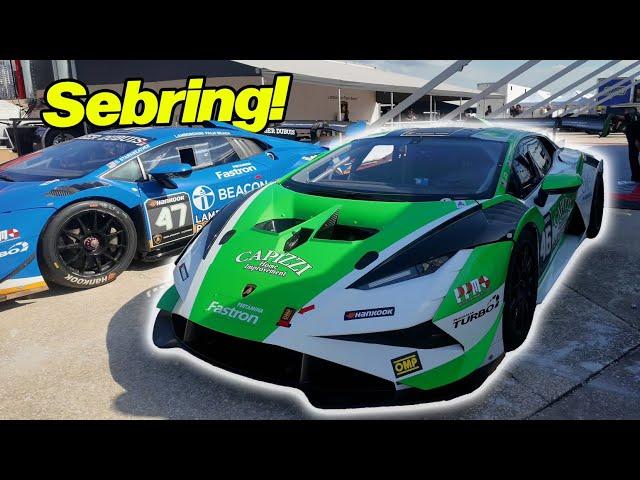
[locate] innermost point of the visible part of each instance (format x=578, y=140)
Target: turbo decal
x=465, y=319
x=9, y=234
x=19, y=247
x=472, y=289
x=370, y=313
x=242, y=311
x=406, y=364
x=271, y=260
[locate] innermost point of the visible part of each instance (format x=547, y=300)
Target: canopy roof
x=352, y=75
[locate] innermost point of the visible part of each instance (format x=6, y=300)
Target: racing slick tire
x=521, y=290
x=597, y=208
x=87, y=244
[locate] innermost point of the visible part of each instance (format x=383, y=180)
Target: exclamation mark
x=281, y=87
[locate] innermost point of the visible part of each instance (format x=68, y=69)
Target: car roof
x=486, y=133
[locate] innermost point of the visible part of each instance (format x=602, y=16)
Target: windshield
x=405, y=169
x=71, y=159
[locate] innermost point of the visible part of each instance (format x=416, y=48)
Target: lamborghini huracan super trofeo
x=393, y=269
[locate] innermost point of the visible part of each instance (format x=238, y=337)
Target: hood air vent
x=279, y=224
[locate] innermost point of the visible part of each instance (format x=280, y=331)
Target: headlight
x=424, y=268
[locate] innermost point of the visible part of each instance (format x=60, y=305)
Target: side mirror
x=164, y=174
x=557, y=184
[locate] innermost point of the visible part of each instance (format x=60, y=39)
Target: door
x=224, y=167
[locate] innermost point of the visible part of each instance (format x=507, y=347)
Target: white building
x=506, y=94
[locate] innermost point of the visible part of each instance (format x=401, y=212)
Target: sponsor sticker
x=140, y=141
x=9, y=234
x=203, y=197
x=472, y=289
x=239, y=169
x=184, y=274
x=273, y=262
x=370, y=313
x=19, y=247
x=406, y=364
x=241, y=311
x=285, y=318
x=471, y=316
x=170, y=218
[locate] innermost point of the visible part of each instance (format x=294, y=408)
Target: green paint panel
x=169, y=299
x=457, y=368
x=318, y=262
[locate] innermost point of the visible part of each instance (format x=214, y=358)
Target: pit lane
x=85, y=354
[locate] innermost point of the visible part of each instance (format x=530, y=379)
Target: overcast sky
x=481, y=71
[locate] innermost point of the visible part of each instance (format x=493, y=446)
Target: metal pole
x=610, y=91
x=457, y=66
x=538, y=87
x=492, y=88
x=573, y=85
x=339, y=106
x=392, y=106
x=601, y=82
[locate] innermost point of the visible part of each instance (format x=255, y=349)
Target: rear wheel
x=521, y=290
x=87, y=245
x=597, y=208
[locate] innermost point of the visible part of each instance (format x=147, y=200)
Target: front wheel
x=87, y=244
x=521, y=290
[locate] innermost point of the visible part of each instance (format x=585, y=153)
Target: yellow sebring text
x=250, y=108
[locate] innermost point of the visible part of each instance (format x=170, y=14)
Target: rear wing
x=313, y=130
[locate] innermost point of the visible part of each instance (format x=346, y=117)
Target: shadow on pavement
x=164, y=385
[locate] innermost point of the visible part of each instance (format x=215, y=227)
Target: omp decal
x=15, y=249
x=91, y=281
x=271, y=261
x=370, y=313
x=203, y=197
x=238, y=169
x=472, y=289
x=241, y=311
x=9, y=234
x=494, y=302
x=406, y=364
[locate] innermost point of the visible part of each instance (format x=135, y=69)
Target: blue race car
x=77, y=213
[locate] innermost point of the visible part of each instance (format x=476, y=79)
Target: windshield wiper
x=6, y=178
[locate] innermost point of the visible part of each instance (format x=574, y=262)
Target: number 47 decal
x=165, y=217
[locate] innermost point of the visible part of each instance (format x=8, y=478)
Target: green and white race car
x=394, y=269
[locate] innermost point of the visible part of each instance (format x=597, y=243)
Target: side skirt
x=563, y=254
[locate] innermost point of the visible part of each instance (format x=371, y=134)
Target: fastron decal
x=270, y=262
x=239, y=169
x=406, y=364
x=472, y=289
x=370, y=313
x=241, y=311
x=469, y=317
